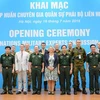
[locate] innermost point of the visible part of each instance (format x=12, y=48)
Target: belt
x=94, y=66
x=35, y=66
x=7, y=67
x=64, y=66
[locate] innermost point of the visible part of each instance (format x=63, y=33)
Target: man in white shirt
x=98, y=51
x=21, y=64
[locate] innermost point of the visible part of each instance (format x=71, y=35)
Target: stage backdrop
x=51, y=21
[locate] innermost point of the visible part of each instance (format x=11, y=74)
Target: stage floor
x=45, y=96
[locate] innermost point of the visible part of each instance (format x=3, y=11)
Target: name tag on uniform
x=80, y=57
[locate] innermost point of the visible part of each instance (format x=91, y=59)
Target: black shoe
x=79, y=90
x=39, y=92
x=22, y=90
x=29, y=88
x=96, y=92
x=34, y=92
x=10, y=92
x=68, y=93
x=45, y=90
x=91, y=92
x=18, y=92
x=54, y=89
x=84, y=91
x=62, y=93
x=25, y=92
x=75, y=92
x=4, y=92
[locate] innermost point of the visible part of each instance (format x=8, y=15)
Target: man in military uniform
x=57, y=51
x=44, y=52
x=36, y=61
x=27, y=49
x=93, y=59
x=7, y=62
x=14, y=74
x=70, y=48
x=64, y=70
x=79, y=57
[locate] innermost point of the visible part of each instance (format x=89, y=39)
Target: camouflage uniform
x=69, y=51
x=79, y=57
x=28, y=73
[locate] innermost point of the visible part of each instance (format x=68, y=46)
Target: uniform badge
x=96, y=55
x=39, y=56
x=67, y=56
x=33, y=56
x=10, y=58
x=3, y=57
x=61, y=57
x=90, y=56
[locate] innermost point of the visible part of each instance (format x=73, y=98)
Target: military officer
x=36, y=68
x=79, y=57
x=93, y=59
x=70, y=48
x=65, y=69
x=27, y=49
x=7, y=62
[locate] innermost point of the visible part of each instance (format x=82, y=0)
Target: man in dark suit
x=44, y=52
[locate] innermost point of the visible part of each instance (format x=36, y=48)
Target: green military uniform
x=79, y=57
x=14, y=74
x=7, y=66
x=93, y=61
x=36, y=60
x=29, y=74
x=64, y=62
x=69, y=51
